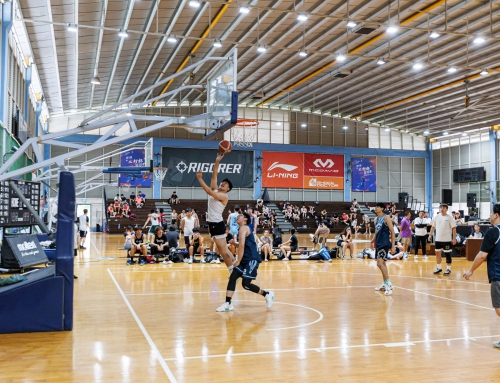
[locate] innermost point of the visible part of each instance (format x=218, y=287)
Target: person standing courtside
x=217, y=201
x=446, y=233
x=83, y=227
x=231, y=222
x=490, y=251
x=383, y=241
x=187, y=226
x=421, y=224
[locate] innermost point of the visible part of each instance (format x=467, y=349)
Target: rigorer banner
x=134, y=158
x=282, y=170
x=183, y=163
x=364, y=174
x=324, y=171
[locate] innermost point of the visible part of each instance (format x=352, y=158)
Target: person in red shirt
x=138, y=202
x=111, y=210
x=117, y=207
x=126, y=209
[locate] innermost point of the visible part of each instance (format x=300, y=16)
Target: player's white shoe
x=388, y=290
x=225, y=307
x=269, y=299
x=381, y=287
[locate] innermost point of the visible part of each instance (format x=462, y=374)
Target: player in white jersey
x=217, y=201
x=154, y=218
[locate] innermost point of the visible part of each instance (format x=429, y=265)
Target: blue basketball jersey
x=382, y=236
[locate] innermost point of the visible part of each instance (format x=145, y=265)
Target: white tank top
x=188, y=225
x=155, y=219
x=215, y=210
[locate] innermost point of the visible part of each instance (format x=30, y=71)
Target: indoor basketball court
x=328, y=125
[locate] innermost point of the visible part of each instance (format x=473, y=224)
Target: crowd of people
x=123, y=206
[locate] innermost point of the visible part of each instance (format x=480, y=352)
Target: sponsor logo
x=26, y=246
x=320, y=164
x=193, y=167
x=282, y=175
x=318, y=183
x=286, y=167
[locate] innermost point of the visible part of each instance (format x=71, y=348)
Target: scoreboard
x=13, y=212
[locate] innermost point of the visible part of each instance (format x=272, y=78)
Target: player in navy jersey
x=246, y=266
x=383, y=242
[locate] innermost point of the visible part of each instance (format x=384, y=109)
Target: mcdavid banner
x=324, y=171
x=183, y=163
x=364, y=174
x=134, y=158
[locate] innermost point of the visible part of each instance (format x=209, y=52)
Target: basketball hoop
x=125, y=187
x=244, y=133
x=160, y=173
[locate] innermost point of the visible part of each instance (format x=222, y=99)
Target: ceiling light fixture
x=172, y=39
x=95, y=80
x=391, y=29
x=301, y=16
x=351, y=24
x=261, y=49
x=244, y=9
x=345, y=127
x=426, y=132
x=217, y=44
x=484, y=72
x=452, y=70
x=478, y=40
x=129, y=114
x=340, y=57
x=417, y=66
x=434, y=35
x=302, y=53
x=123, y=33
x=304, y=125
x=380, y=61
x=445, y=133
x=387, y=129
x=194, y=4
x=464, y=134
x=324, y=126
x=72, y=28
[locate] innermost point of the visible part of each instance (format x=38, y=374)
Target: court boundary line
x=93, y=244
x=322, y=349
x=157, y=353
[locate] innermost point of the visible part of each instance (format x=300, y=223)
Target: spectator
x=477, y=232
x=196, y=245
x=174, y=200
x=123, y=198
x=355, y=227
x=260, y=202
x=110, y=211
x=346, y=241
x=132, y=198
x=458, y=219
x=180, y=217
x=196, y=219
x=117, y=207
x=138, y=202
x=354, y=209
x=321, y=235
x=345, y=218
x=311, y=210
x=172, y=242
x=323, y=214
x=143, y=196
x=83, y=227
x=138, y=247
x=366, y=220
x=128, y=238
x=295, y=217
x=173, y=217
x=420, y=225
x=117, y=198
x=126, y=209
x=406, y=231
x=291, y=245
x=335, y=219
x=267, y=245
x=231, y=222
x=159, y=246
x=187, y=226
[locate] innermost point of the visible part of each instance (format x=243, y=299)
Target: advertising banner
x=134, y=158
x=183, y=163
x=282, y=170
x=323, y=171
x=364, y=174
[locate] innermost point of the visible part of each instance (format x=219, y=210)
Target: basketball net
x=160, y=173
x=125, y=187
x=244, y=133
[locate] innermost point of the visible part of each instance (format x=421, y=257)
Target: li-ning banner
x=302, y=171
x=364, y=174
x=134, y=158
x=183, y=163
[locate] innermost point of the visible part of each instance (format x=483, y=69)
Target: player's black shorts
x=446, y=247
x=382, y=252
x=217, y=229
x=83, y=233
x=248, y=269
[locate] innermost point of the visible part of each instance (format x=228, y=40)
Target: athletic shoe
x=203, y=261
x=424, y=257
x=225, y=307
x=152, y=262
x=496, y=344
x=142, y=262
x=269, y=299
x=405, y=255
x=265, y=260
x=212, y=261
x=388, y=290
x=83, y=248
x=129, y=262
x=416, y=257
x=217, y=260
x=285, y=259
x=165, y=261
x=170, y=262
x=438, y=271
x=447, y=272
x=381, y=287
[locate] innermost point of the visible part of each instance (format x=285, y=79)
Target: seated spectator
x=129, y=236
x=123, y=198
x=174, y=200
x=345, y=218
x=173, y=217
x=267, y=245
x=138, y=247
x=110, y=211
x=335, y=219
x=143, y=196
x=196, y=245
x=159, y=245
x=345, y=241
x=288, y=216
x=117, y=206
x=458, y=219
x=260, y=202
x=477, y=232
x=323, y=214
x=303, y=212
x=320, y=236
x=126, y=209
x=354, y=209
x=295, y=217
x=354, y=227
x=138, y=202
x=291, y=245
x=132, y=198
x=311, y=210
x=117, y=198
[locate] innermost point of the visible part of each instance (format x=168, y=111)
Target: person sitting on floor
x=345, y=242
x=291, y=245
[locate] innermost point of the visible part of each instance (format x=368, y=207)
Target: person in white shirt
x=83, y=227
x=187, y=226
x=420, y=223
x=446, y=234
x=154, y=217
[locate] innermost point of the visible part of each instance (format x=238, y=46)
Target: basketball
x=225, y=147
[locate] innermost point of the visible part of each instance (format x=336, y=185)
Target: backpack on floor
x=324, y=252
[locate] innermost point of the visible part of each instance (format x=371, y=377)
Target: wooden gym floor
x=157, y=323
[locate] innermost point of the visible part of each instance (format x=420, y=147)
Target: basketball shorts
x=405, y=240
x=83, y=233
x=382, y=252
x=248, y=269
x=196, y=249
x=495, y=294
x=152, y=229
x=217, y=229
x=445, y=247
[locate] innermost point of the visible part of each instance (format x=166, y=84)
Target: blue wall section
x=156, y=183
x=7, y=21
x=347, y=178
x=257, y=171
x=493, y=165
x=428, y=179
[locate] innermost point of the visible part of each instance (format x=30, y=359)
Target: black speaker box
x=471, y=199
x=447, y=196
x=403, y=200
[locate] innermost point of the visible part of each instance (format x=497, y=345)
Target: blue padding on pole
x=65, y=239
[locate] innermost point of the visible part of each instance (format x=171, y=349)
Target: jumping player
x=383, y=241
x=246, y=266
x=217, y=201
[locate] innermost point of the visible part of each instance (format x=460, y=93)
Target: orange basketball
x=225, y=147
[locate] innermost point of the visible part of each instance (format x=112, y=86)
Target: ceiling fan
x=468, y=105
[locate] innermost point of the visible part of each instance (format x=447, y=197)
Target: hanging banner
x=323, y=171
x=364, y=174
x=282, y=170
x=134, y=158
x=183, y=163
